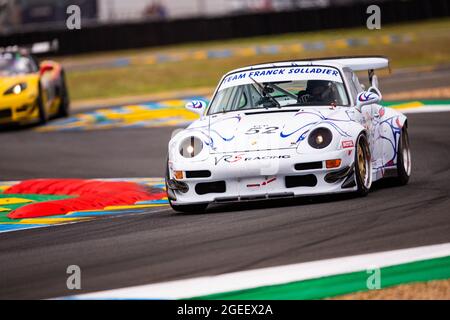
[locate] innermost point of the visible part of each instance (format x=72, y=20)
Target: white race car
x=288, y=129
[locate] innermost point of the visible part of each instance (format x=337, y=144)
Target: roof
x=356, y=63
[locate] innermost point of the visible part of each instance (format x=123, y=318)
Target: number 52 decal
x=262, y=130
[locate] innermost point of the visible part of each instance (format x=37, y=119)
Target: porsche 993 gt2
x=288, y=129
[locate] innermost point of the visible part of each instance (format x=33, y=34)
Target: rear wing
x=360, y=63
x=363, y=63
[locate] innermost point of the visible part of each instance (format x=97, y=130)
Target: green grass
x=431, y=46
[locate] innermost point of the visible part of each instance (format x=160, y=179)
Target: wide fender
x=388, y=113
x=352, y=130
x=56, y=71
x=388, y=131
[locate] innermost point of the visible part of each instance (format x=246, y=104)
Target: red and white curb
x=203, y=286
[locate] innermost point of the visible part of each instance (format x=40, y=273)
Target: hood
x=270, y=129
x=7, y=82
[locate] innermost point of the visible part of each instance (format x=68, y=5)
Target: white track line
x=425, y=109
x=270, y=276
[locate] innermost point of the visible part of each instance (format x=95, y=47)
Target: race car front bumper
x=18, y=110
x=261, y=175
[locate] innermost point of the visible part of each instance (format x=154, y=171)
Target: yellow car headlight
x=16, y=89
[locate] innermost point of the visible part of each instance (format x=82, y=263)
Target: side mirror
x=197, y=106
x=45, y=68
x=367, y=97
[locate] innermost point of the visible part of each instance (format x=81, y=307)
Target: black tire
x=187, y=208
x=403, y=158
x=64, y=106
x=363, y=167
x=43, y=116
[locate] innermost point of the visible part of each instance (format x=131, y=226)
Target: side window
x=255, y=96
x=351, y=84
x=240, y=99
x=233, y=99
x=223, y=100
x=243, y=101
x=357, y=83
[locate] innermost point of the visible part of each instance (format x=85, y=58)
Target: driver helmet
x=318, y=88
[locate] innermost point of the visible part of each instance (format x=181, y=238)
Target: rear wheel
x=363, y=166
x=186, y=208
x=403, y=158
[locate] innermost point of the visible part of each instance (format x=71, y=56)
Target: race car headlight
x=320, y=138
x=16, y=89
x=191, y=147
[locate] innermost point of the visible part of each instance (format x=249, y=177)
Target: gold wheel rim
x=361, y=163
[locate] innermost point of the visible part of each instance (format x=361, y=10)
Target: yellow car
x=31, y=92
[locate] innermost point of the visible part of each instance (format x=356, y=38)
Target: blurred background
x=136, y=47
x=19, y=14
x=131, y=69
x=141, y=47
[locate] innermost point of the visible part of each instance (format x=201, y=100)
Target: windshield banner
x=295, y=73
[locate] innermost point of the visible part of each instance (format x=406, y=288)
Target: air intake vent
x=6, y=113
x=210, y=187
x=308, y=180
x=308, y=165
x=198, y=174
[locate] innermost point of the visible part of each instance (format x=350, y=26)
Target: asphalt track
x=162, y=245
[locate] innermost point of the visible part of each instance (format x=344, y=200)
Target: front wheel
x=363, y=166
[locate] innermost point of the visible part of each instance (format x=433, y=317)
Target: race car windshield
x=288, y=87
x=12, y=65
